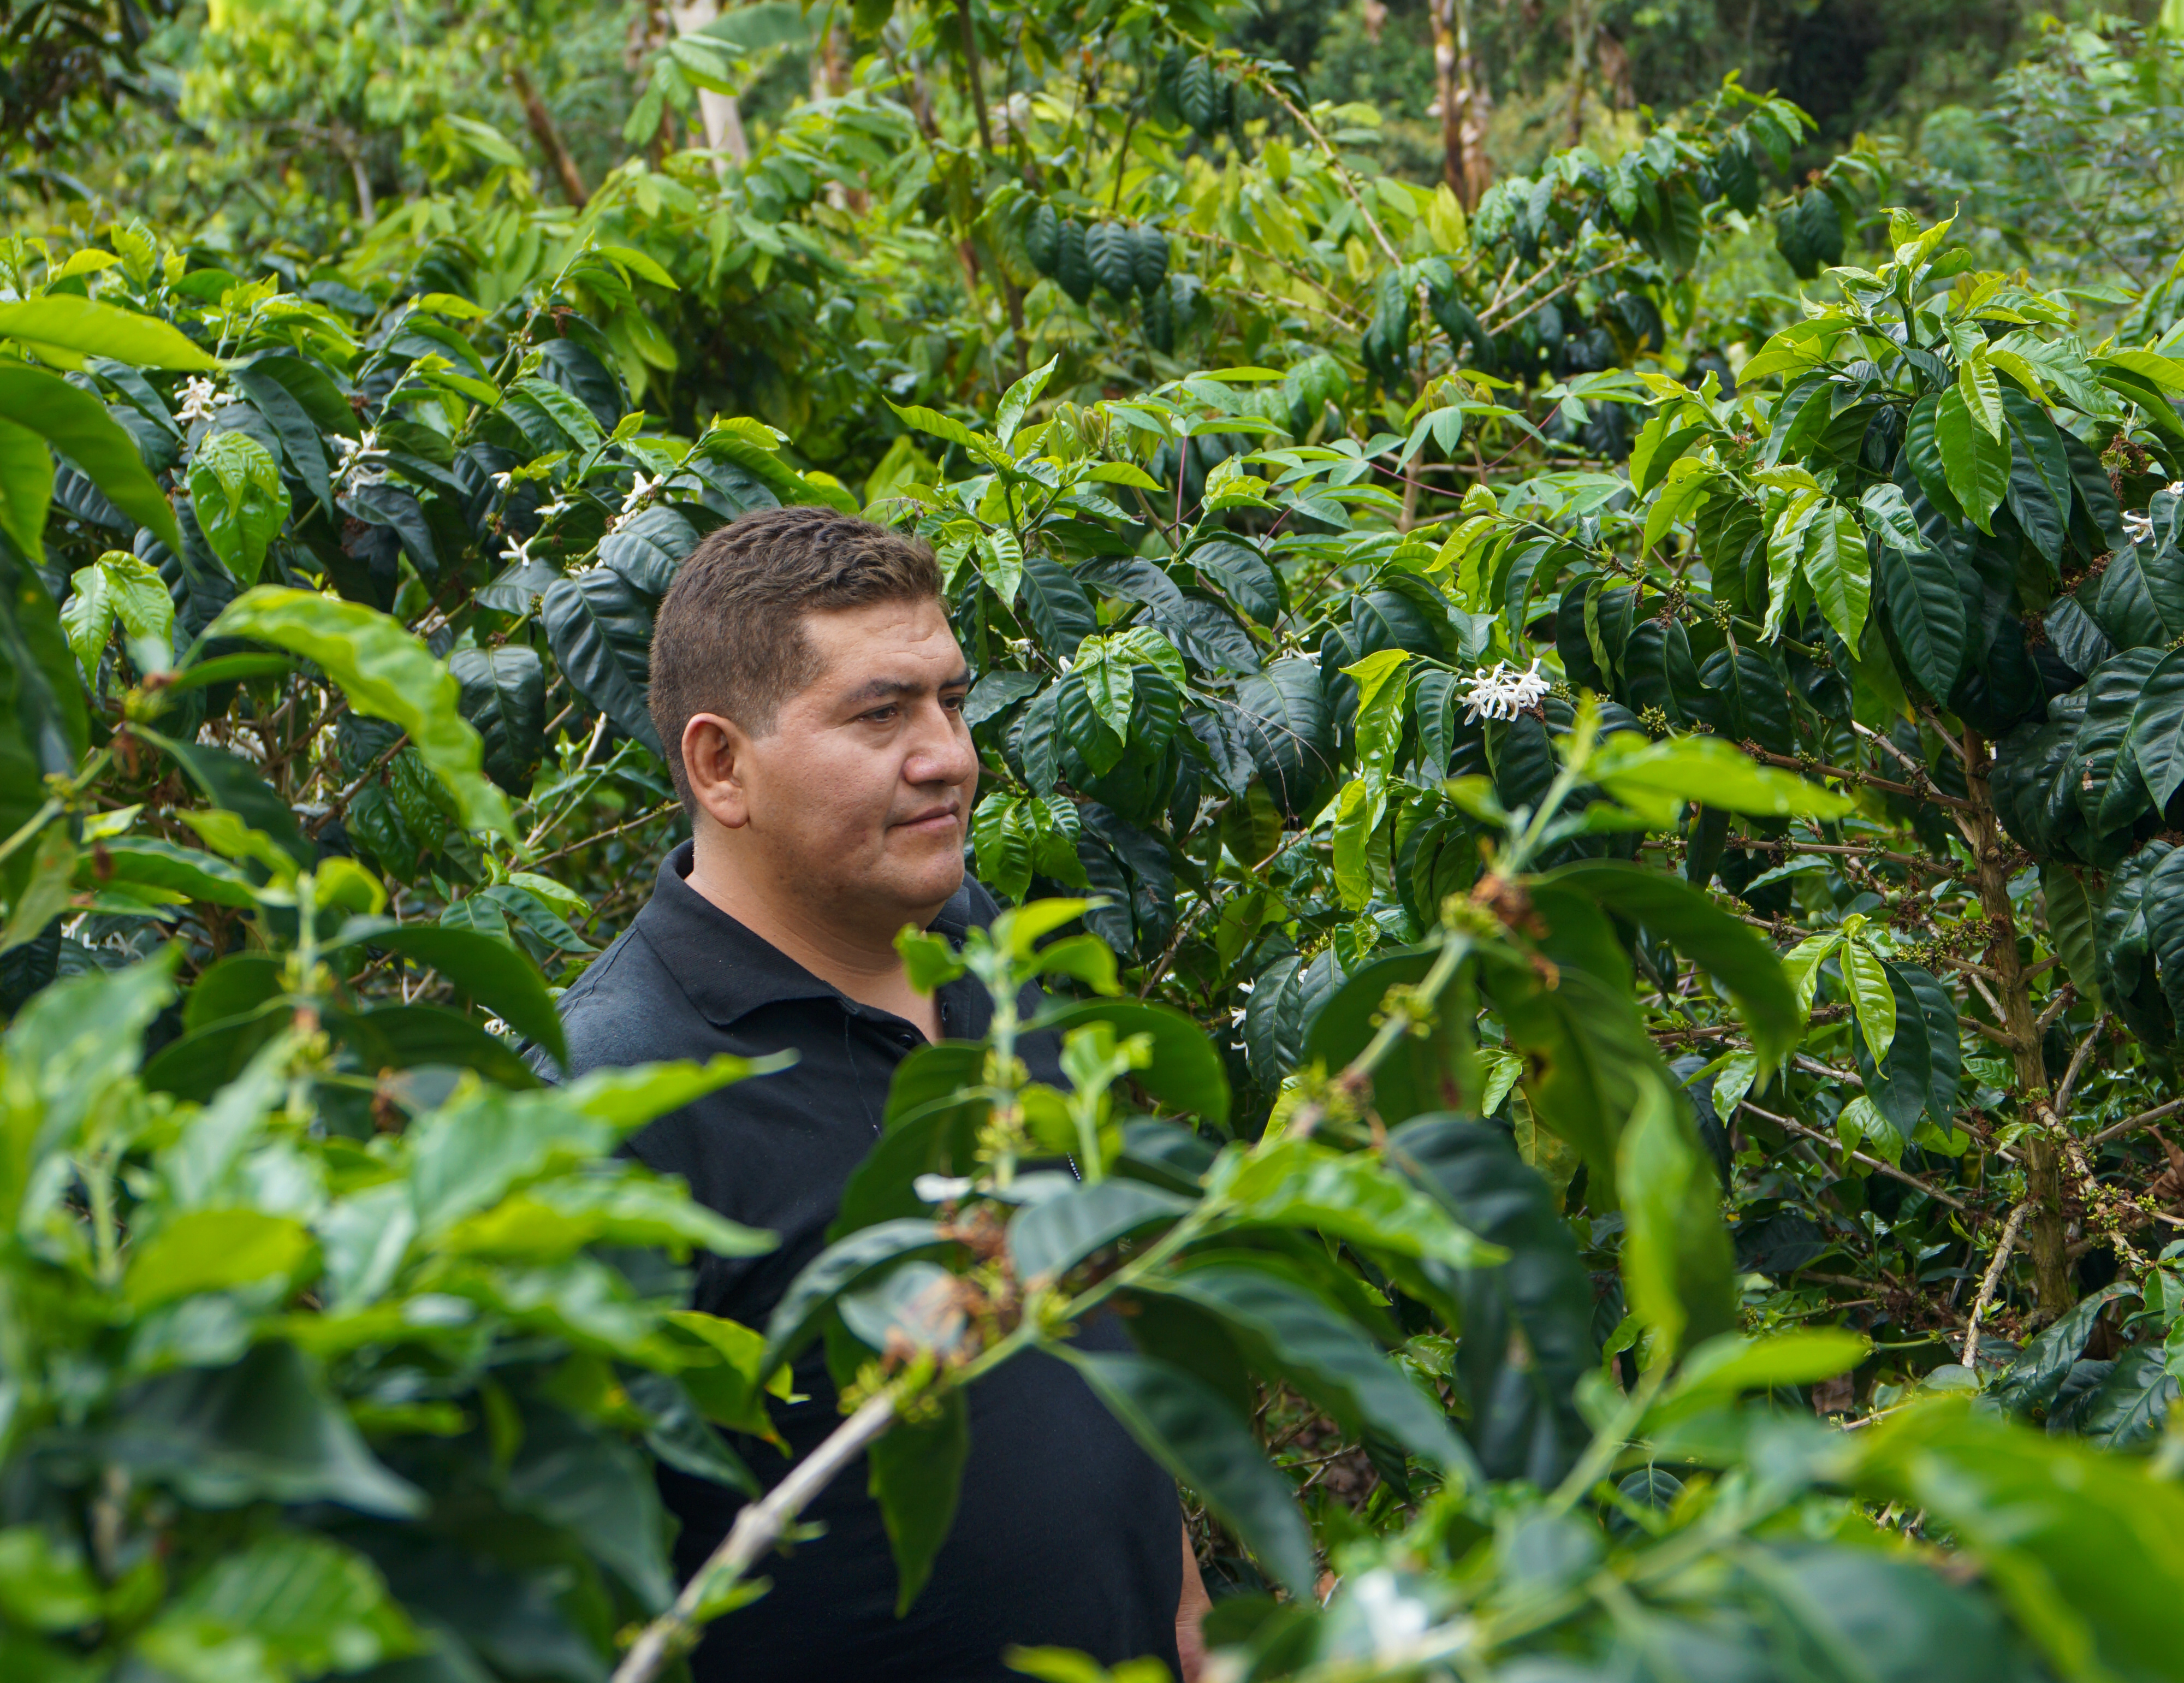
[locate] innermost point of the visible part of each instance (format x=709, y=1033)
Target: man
x=811, y=695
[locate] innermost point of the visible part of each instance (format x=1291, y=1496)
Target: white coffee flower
x=1504, y=692
x=200, y=398
x=939, y=1189
x=2137, y=527
x=518, y=552
x=502, y=481
x=639, y=492
x=356, y=467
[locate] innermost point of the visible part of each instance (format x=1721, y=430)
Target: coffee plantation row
x=1610, y=883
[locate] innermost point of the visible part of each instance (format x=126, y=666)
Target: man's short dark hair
x=730, y=639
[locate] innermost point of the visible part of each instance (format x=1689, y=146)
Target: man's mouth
x=933, y=822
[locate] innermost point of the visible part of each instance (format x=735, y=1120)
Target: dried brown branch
x=1880, y=1166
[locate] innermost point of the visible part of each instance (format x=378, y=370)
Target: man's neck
x=862, y=963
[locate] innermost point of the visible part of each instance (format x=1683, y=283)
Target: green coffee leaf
x=386, y=674
x=241, y=504
x=1188, y=1429
x=1836, y=565
x=1654, y=778
x=1975, y=463
x=1866, y=978
x=1678, y=1270
x=77, y=425
x=93, y=329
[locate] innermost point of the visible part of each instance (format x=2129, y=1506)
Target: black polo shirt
x=1067, y=1532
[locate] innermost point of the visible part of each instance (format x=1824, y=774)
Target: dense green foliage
x=1602, y=840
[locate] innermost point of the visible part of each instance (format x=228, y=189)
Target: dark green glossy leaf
x=600, y=631
x=1975, y=463
x=1922, y=449
x=405, y=1036
x=504, y=696
x=1925, y=609
x=1199, y=1439
x=43, y=724
x=1330, y=1361
x=2035, y=1377
x=1945, y=1057
x=264, y=1429
x=1058, y=612
x=1186, y=1072
x=1756, y=697
x=1048, y=1239
x=2124, y=608
x=1745, y=966
x=647, y=546
x=495, y=974
x=1522, y=1420
x=2110, y=791
x=916, y=1475
x=2157, y=729
x=76, y=424
x=1291, y=737
x=795, y=1319
x=2164, y=908
x=1900, y=1086
x=2132, y=1404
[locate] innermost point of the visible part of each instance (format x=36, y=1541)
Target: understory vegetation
x=1587, y=743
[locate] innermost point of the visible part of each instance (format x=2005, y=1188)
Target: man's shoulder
x=626, y=1008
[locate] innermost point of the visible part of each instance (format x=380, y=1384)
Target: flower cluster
x=2139, y=527
x=1504, y=692
x=201, y=398
x=357, y=468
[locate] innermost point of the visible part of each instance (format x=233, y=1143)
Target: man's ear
x=715, y=754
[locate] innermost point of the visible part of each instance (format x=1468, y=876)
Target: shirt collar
x=727, y=970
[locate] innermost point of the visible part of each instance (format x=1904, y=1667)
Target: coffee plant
x=1607, y=882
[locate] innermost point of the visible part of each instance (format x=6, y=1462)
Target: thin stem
x=1879, y=1165
x=1341, y=171
x=2002, y=1247
x=757, y=1529
x=641, y=818
x=2129, y=1125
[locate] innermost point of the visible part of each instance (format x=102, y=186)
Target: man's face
x=856, y=802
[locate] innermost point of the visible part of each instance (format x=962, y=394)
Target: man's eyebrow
x=888, y=689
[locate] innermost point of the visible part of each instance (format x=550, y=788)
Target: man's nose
x=942, y=752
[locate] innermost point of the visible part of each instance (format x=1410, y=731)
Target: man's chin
x=923, y=886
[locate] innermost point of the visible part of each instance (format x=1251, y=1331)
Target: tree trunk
x=2046, y=1237
x=1462, y=127
x=1581, y=31
x=345, y=144
x=973, y=78
x=723, y=119
x=1447, y=61
x=549, y=137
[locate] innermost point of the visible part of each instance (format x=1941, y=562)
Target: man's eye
x=954, y=703
x=882, y=715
